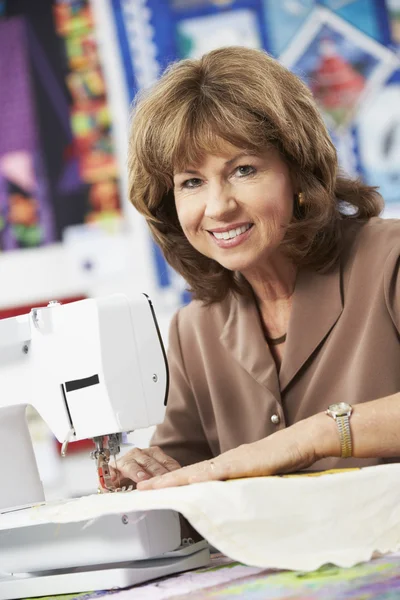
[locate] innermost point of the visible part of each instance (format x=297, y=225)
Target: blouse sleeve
x=181, y=435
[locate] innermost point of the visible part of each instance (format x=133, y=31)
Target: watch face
x=340, y=408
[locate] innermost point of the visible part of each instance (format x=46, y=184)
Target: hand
x=287, y=450
x=139, y=465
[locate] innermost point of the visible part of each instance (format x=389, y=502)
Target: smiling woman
x=237, y=103
x=296, y=304
x=237, y=207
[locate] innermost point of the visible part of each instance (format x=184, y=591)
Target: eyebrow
x=227, y=164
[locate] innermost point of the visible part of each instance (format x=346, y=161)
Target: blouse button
x=275, y=419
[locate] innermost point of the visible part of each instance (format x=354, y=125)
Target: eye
x=244, y=170
x=191, y=183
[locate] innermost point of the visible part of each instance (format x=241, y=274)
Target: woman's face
x=235, y=207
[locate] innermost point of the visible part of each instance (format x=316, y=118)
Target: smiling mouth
x=231, y=233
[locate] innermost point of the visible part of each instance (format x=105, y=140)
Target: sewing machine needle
x=116, y=470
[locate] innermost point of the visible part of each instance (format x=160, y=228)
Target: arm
x=375, y=428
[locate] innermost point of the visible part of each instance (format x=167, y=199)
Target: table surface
x=226, y=579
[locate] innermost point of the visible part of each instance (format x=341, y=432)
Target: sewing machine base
x=104, y=577
x=116, y=538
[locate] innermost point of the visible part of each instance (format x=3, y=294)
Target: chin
x=236, y=265
x=247, y=264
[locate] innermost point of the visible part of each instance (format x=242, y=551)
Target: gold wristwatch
x=341, y=412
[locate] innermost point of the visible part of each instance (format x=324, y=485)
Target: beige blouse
x=342, y=344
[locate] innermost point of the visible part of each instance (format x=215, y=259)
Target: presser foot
x=105, y=447
x=103, y=473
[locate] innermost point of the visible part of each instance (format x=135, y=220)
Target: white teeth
x=232, y=233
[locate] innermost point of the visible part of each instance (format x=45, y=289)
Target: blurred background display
x=69, y=71
x=57, y=162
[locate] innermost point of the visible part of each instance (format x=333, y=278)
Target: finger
x=243, y=461
x=138, y=466
x=166, y=461
x=129, y=469
x=118, y=480
x=205, y=471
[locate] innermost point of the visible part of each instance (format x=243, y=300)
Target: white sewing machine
x=96, y=369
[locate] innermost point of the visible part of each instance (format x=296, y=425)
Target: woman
x=294, y=279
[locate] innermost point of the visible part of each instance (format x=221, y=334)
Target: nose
x=220, y=202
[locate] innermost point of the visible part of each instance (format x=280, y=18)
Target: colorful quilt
x=379, y=578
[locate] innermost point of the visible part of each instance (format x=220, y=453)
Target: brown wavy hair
x=247, y=98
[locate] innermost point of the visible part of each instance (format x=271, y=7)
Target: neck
x=274, y=282
x=273, y=287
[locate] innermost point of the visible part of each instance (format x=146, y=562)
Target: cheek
x=276, y=210
x=286, y=206
x=189, y=217
x=281, y=200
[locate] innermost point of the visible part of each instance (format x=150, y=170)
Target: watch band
x=343, y=423
x=341, y=412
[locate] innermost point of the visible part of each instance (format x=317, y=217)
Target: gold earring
x=300, y=197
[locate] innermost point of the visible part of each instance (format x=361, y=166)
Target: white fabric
x=282, y=522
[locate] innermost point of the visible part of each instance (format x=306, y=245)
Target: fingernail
x=141, y=475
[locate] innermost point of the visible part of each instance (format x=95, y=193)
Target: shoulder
x=385, y=233
x=199, y=327
x=197, y=319
x=370, y=243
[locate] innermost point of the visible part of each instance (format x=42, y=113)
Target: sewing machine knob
x=155, y=378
